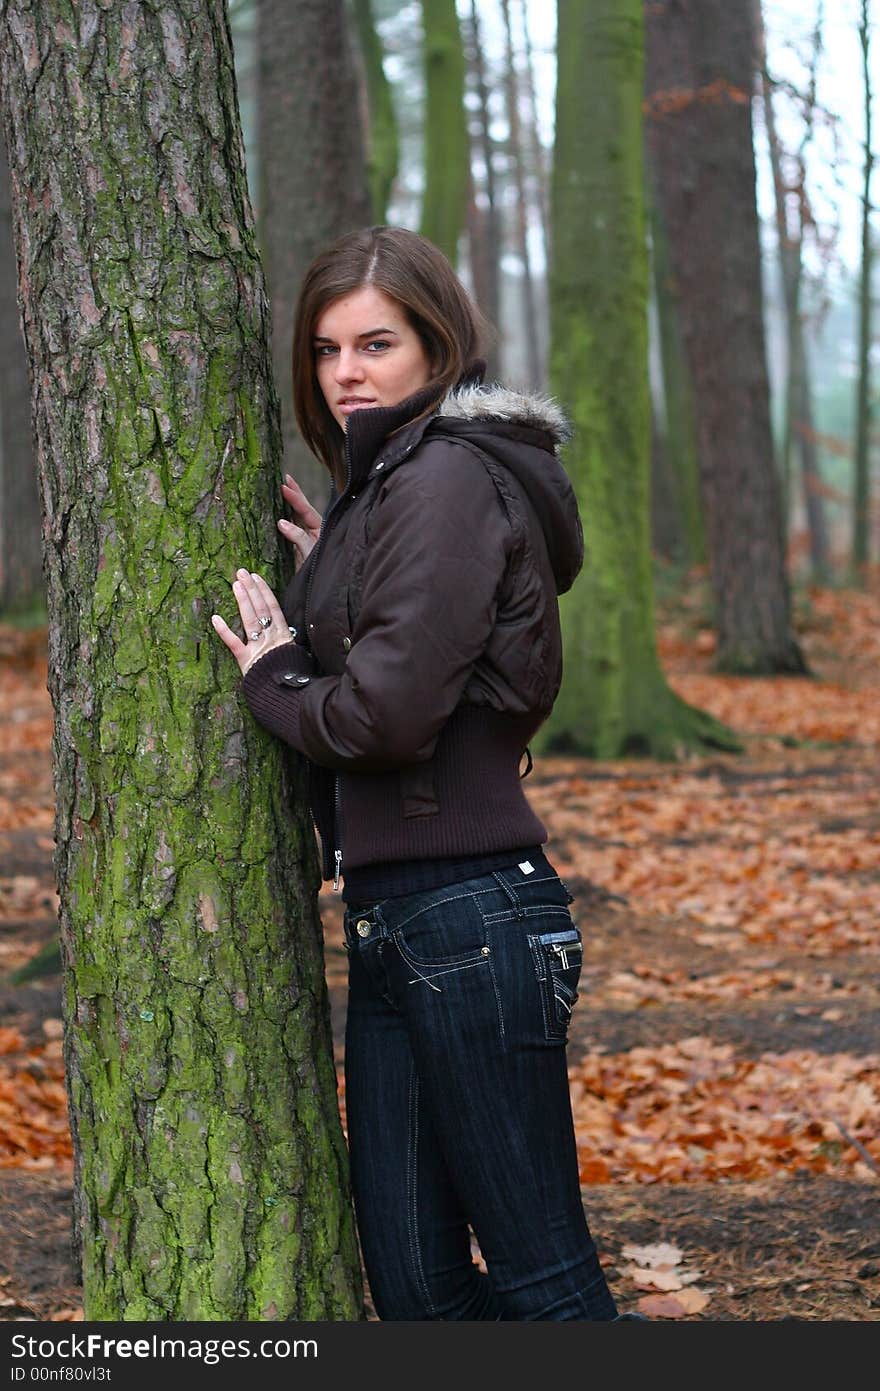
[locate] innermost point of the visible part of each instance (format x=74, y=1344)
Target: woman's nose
x=348, y=367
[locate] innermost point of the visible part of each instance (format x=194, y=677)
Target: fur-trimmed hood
x=520, y=430
x=523, y=431
x=496, y=402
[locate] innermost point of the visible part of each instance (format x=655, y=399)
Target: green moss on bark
x=446, y=150
x=211, y=1178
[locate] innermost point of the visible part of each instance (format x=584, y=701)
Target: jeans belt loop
x=510, y=892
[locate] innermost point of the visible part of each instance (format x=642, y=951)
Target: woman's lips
x=346, y=407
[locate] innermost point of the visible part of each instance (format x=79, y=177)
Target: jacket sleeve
x=438, y=548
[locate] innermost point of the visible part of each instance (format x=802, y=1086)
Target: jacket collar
x=367, y=430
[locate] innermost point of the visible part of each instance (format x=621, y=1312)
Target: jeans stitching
x=469, y=958
x=541, y=965
x=454, y=898
x=567, y=1004
x=412, y=1167
x=497, y=999
x=438, y=902
x=354, y=911
x=555, y=1029
x=534, y=911
x=447, y=970
x=508, y=890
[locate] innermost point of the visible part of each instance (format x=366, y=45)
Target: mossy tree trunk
x=701, y=64
x=614, y=699
x=313, y=174
x=446, y=146
x=21, y=569
x=211, y=1171
x=382, y=144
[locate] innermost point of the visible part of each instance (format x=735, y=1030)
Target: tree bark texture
x=21, y=565
x=614, y=698
x=313, y=174
x=211, y=1171
x=861, y=481
x=700, y=77
x=679, y=445
x=382, y=143
x=446, y=145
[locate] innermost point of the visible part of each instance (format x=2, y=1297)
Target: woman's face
x=367, y=353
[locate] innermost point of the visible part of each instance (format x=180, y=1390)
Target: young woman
x=415, y=653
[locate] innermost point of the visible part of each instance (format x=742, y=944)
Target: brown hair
x=415, y=273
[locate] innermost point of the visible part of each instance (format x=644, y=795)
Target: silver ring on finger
x=265, y=620
x=257, y=633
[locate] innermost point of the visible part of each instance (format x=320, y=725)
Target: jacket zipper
x=320, y=540
x=562, y=949
x=337, y=850
x=337, y=853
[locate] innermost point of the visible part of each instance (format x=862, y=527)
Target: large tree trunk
x=700, y=76
x=861, y=488
x=446, y=147
x=614, y=699
x=211, y=1172
x=21, y=567
x=313, y=173
x=679, y=445
x=382, y=122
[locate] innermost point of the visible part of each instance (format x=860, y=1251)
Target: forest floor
x=724, y=1055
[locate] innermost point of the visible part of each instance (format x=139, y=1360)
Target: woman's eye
x=324, y=349
x=379, y=343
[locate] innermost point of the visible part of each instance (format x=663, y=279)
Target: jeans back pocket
x=558, y=957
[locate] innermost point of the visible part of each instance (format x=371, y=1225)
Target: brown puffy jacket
x=428, y=648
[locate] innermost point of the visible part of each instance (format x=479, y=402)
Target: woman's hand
x=256, y=605
x=304, y=536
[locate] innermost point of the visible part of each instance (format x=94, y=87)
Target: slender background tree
x=793, y=217
x=861, y=475
x=484, y=217
x=516, y=157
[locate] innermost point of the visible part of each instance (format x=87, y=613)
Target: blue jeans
x=458, y=1105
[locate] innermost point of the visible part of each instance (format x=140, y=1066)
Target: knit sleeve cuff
x=273, y=686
